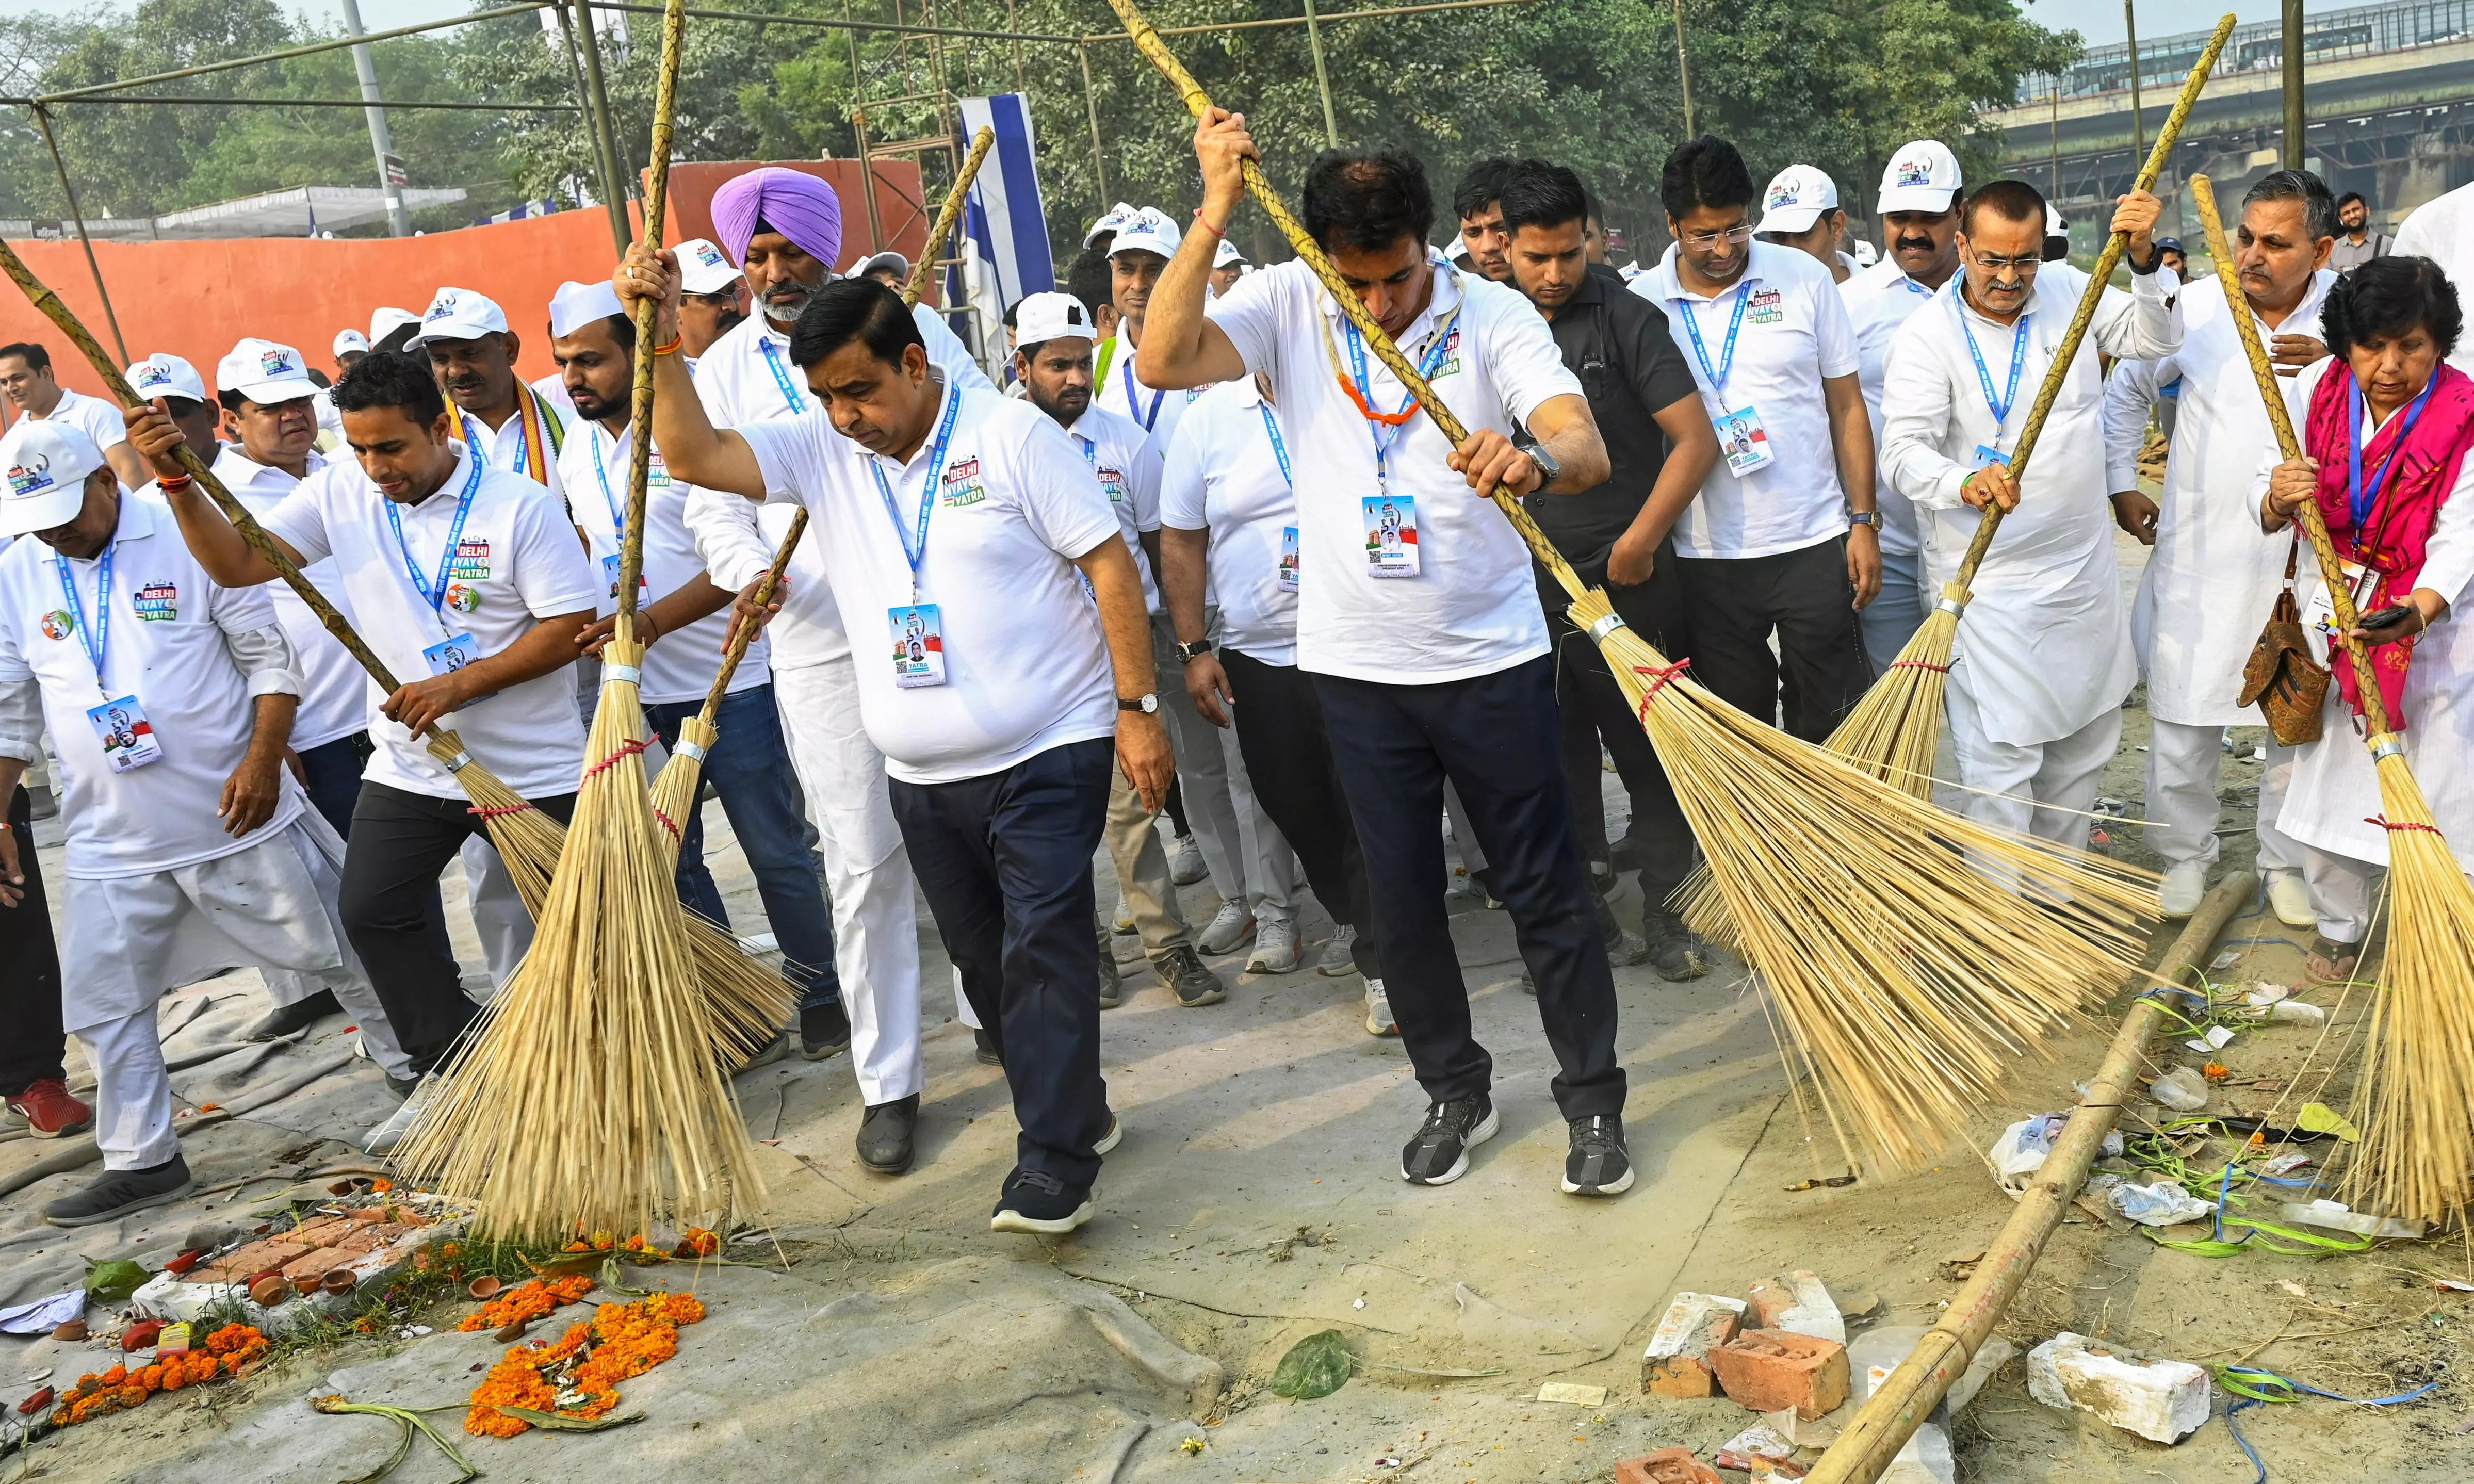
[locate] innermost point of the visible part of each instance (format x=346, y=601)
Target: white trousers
x=350, y=983
x=498, y=915
x=2044, y=787
x=867, y=873
x=133, y=1093
x=2183, y=762
x=1248, y=859
x=2340, y=894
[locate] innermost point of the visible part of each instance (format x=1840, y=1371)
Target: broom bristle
x=1910, y=980
x=591, y=1095
x=2416, y=1098
x=675, y=788
x=1895, y=731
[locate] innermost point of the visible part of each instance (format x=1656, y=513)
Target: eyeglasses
x=1705, y=240
x=2023, y=263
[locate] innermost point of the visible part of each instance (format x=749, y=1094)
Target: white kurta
x=2442, y=230
x=2336, y=789
x=2214, y=573
x=2043, y=640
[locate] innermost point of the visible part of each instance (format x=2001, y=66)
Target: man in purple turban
x=785, y=226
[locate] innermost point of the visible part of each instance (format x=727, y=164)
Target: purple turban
x=793, y=202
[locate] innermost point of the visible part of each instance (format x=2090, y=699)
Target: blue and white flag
x=1005, y=215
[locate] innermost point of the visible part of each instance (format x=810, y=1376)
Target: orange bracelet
x=664, y=350
x=1217, y=231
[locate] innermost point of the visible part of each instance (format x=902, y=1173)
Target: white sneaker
x=1185, y=862
x=1275, y=948
x=2185, y=885
x=1123, y=923
x=1109, y=1140
x=388, y=1134
x=2289, y=896
x=1378, y=1010
x=1338, y=959
x=1229, y=927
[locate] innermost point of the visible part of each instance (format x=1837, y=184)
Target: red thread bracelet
x=1221, y=233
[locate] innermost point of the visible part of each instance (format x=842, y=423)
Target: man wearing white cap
x=712, y=304
x=1228, y=266
x=472, y=352
x=27, y=384
x=169, y=698
x=1918, y=203
x=1106, y=227
x=1141, y=249
x=1800, y=211
x=681, y=617
x=392, y=329
x=889, y=268
x=351, y=345
x=174, y=383
x=1054, y=359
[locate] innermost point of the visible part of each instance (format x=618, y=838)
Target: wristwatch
x=1871, y=518
x=1548, y=470
x=1187, y=654
x=1149, y=704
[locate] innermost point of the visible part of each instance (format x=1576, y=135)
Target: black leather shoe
x=983, y=1046
x=885, y=1134
x=299, y=1015
x=122, y=1191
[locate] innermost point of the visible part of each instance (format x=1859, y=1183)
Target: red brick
x=257, y=1256
x=1666, y=1465
x=1765, y=1301
x=316, y=1265
x=1770, y=1369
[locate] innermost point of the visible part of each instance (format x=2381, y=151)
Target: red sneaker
x=50, y=1111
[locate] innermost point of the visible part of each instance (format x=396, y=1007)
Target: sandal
x=2332, y=962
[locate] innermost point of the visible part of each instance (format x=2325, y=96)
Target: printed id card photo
x=918, y=646
x=1390, y=535
x=1744, y=441
x=2320, y=614
x=610, y=580
x=1288, y=558
x=1985, y=455
x=128, y=737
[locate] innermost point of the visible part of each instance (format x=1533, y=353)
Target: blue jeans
x=750, y=768
x=332, y=777
x=1895, y=614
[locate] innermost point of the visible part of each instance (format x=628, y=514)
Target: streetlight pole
x=366, y=68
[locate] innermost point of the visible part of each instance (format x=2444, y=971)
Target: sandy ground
x=1255, y=1201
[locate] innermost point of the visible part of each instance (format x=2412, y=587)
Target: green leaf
x=560, y=1422
x=114, y=1281
x=610, y=1279
x=1316, y=1366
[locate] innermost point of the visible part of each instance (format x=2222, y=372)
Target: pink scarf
x=2390, y=538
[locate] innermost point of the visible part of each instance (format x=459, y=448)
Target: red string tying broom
x=1910, y=981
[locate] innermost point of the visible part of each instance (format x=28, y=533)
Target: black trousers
x=1288, y=755
x=1592, y=708
x=1004, y=862
x=400, y=843
x=332, y=777
x=1805, y=598
x=1494, y=737
x=30, y=970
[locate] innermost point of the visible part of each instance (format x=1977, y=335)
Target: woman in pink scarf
x=2387, y=428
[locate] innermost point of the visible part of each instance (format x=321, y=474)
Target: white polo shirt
x=1224, y=476
x=1026, y=666
x=516, y=561
x=1156, y=412
x=165, y=643
x=92, y=416
x=746, y=376
x=335, y=691
x=1878, y=300
x=1472, y=608
x=1126, y=460
x=1795, y=332
x=680, y=665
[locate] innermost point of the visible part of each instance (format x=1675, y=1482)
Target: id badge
x=128, y=737
x=1288, y=558
x=1744, y=441
x=1987, y=455
x=918, y=646
x=451, y=654
x=2319, y=614
x=610, y=580
x=1390, y=535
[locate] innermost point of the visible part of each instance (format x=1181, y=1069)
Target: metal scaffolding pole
x=2130, y=27
x=366, y=68
x=45, y=119
x=1322, y=79
x=1091, y=104
x=2294, y=124
x=605, y=135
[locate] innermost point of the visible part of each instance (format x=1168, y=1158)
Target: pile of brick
x=1782, y=1345
x=310, y=1250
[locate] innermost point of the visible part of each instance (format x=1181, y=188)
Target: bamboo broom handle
x=946, y=215
x=2375, y=709
x=2092, y=295
x=1259, y=186
x=657, y=191
x=61, y=316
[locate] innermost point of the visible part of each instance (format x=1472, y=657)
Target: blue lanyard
x=436, y=596
x=1387, y=436
x=524, y=440
x=1279, y=445
x=2009, y=399
x=1090, y=452
x=96, y=639
x=2361, y=499
x=782, y=377
x=927, y=491
x=1136, y=409
x=617, y=517
x=1716, y=376
x=1919, y=290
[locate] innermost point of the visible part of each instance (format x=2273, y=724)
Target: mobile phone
x=2392, y=616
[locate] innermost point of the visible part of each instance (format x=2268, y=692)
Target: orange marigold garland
x=529, y=1301
x=229, y=1351
x=578, y=1375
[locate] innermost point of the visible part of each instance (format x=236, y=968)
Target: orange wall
x=196, y=298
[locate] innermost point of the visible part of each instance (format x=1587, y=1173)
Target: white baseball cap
x=386, y=322
x=1797, y=197
x=1923, y=176
x=1043, y=317
x=346, y=342
x=167, y=376
x=266, y=372
x=1149, y=230
x=1225, y=254
x=577, y=305
x=704, y=268
x=47, y=463
x=889, y=258
x=461, y=314
x=2054, y=225
x=1113, y=220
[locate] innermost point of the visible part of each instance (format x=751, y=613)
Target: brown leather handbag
x=2282, y=679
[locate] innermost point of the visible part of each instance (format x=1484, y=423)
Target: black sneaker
x=1195, y=986
x=122, y=1191
x=824, y=1030
x=884, y=1134
x=1439, y=1153
x=1039, y=1203
x=1674, y=952
x=299, y=1015
x=983, y=1046
x=1599, y=1163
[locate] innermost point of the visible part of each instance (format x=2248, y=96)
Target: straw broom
x=1895, y=730
x=592, y=1096
x=1909, y=983
x=2417, y=1099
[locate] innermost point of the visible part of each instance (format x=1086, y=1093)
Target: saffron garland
x=578, y=1373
